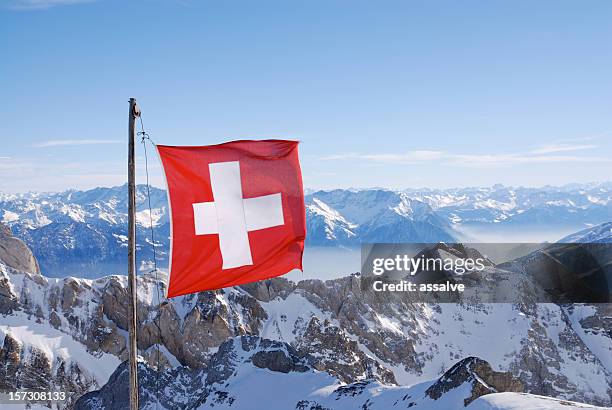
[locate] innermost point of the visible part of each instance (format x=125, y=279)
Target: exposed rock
x=334, y=352
x=267, y=290
x=10, y=357
x=115, y=393
x=29, y=368
x=277, y=357
x=477, y=374
x=15, y=253
x=8, y=300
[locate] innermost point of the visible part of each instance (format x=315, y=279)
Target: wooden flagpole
x=132, y=289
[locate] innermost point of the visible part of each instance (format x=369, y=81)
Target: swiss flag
x=237, y=213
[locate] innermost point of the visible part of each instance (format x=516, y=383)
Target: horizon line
x=308, y=190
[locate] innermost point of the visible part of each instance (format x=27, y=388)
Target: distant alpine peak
x=601, y=233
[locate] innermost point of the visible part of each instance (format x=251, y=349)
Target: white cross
x=231, y=216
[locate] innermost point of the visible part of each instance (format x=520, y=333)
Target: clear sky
x=388, y=93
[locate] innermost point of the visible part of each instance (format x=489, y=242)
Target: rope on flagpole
x=144, y=137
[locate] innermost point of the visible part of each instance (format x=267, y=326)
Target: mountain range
x=311, y=345
x=83, y=233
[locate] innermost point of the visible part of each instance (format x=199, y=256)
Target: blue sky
x=391, y=93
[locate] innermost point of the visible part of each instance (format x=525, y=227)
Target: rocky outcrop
x=276, y=356
x=267, y=290
x=14, y=253
x=29, y=368
x=114, y=395
x=480, y=378
x=10, y=357
x=334, y=352
x=9, y=302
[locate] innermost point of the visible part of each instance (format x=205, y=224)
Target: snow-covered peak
x=597, y=234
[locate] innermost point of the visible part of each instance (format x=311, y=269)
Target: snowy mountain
x=518, y=214
x=84, y=233
x=582, y=203
x=351, y=217
x=244, y=369
x=596, y=234
x=332, y=344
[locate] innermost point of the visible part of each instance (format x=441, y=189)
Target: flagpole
x=132, y=289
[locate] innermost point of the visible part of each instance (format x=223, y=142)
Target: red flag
x=237, y=213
